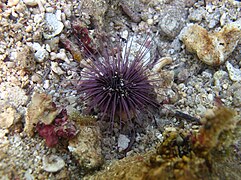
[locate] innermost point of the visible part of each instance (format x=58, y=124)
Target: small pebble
x=225, y=86
x=13, y=2
x=123, y=142
x=36, y=46
x=61, y=55
x=210, y=97
x=53, y=163
x=31, y=2
x=53, y=26
x=55, y=68
x=49, y=9
x=38, y=18
x=46, y=84
x=36, y=78
x=150, y=21
x=234, y=73
x=41, y=55
x=29, y=29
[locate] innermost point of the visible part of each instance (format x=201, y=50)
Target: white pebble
x=13, y=2
x=225, y=86
x=55, y=68
x=58, y=15
x=61, y=55
x=123, y=142
x=49, y=9
x=31, y=2
x=159, y=136
x=210, y=97
x=234, y=73
x=54, y=26
x=67, y=24
x=48, y=48
x=125, y=34
x=53, y=163
x=36, y=46
x=53, y=56
x=38, y=18
x=46, y=84
x=41, y=55
x=150, y=21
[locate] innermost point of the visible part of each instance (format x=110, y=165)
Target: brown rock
x=212, y=48
x=8, y=117
x=40, y=109
x=86, y=147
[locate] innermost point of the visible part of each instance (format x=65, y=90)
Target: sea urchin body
x=117, y=85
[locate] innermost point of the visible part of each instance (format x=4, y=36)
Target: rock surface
x=86, y=147
x=40, y=109
x=213, y=48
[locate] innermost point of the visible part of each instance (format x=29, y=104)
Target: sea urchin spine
x=117, y=85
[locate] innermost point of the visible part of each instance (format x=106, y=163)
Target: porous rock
x=86, y=146
x=213, y=48
x=168, y=161
x=8, y=117
x=40, y=109
x=25, y=59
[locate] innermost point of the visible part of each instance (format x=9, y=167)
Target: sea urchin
x=118, y=85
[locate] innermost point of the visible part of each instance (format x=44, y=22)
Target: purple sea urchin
x=117, y=85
